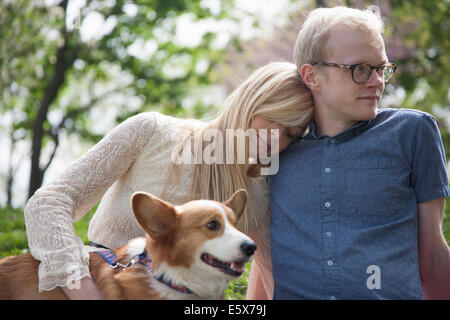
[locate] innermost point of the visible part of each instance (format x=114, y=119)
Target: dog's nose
x=248, y=247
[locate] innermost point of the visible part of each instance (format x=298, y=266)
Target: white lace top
x=135, y=156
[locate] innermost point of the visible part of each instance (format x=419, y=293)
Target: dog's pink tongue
x=239, y=266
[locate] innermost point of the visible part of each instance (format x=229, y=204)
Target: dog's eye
x=213, y=225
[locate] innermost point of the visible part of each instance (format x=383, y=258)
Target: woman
x=138, y=155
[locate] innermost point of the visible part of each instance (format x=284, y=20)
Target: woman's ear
x=309, y=75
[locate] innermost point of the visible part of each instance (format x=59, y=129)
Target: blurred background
x=71, y=70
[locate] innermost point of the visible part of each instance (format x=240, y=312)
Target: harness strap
x=111, y=259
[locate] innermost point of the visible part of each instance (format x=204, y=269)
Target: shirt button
x=332, y=298
x=327, y=204
x=330, y=263
x=329, y=234
x=327, y=170
x=332, y=141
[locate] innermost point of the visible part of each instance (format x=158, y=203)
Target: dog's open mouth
x=234, y=269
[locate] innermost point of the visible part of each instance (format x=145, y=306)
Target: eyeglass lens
x=362, y=72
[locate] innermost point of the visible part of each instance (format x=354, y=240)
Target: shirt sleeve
x=50, y=213
x=429, y=174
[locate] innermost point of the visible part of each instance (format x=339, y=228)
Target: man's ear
x=154, y=215
x=309, y=75
x=237, y=202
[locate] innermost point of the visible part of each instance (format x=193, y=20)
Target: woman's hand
x=87, y=290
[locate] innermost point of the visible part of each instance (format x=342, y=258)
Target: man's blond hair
x=311, y=44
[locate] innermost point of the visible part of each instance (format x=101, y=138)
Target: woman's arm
x=434, y=253
x=255, y=289
x=50, y=213
x=84, y=289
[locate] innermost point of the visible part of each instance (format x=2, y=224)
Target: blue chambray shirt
x=344, y=208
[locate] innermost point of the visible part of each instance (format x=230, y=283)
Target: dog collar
x=111, y=259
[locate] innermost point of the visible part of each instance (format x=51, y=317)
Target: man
x=358, y=202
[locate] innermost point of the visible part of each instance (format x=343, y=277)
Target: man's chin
x=369, y=113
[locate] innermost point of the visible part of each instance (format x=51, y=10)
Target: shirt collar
x=348, y=134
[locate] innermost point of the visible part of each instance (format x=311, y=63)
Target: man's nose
x=375, y=79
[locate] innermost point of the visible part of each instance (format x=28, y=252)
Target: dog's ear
x=237, y=202
x=154, y=215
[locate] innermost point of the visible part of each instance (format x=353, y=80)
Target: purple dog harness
x=111, y=258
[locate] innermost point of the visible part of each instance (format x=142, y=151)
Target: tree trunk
x=63, y=63
x=321, y=3
x=9, y=183
x=64, y=60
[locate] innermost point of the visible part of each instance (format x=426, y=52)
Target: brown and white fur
x=195, y=245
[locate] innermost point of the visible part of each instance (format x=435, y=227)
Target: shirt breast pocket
x=372, y=186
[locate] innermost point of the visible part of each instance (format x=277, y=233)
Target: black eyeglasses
x=361, y=72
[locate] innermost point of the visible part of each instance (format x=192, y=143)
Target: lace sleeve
x=50, y=213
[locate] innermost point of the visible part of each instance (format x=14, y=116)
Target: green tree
x=419, y=41
x=44, y=59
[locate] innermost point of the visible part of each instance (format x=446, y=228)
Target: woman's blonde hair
x=311, y=43
x=274, y=91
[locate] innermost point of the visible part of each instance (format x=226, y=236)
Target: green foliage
x=81, y=226
x=237, y=289
x=421, y=29
x=52, y=78
x=13, y=238
x=33, y=32
x=446, y=222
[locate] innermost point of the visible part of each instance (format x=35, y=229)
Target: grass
x=13, y=238
x=13, y=241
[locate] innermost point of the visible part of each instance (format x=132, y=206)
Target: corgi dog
x=191, y=251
